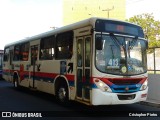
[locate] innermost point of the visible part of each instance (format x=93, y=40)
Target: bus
x=1, y=62
x=96, y=61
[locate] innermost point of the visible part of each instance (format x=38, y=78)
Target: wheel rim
x=62, y=94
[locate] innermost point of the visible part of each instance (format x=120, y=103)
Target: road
x=25, y=100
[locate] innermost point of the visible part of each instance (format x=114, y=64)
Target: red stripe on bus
x=41, y=74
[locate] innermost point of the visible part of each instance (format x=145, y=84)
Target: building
x=76, y=10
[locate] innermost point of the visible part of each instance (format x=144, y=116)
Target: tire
x=15, y=82
x=62, y=94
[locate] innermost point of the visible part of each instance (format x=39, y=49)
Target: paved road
x=24, y=100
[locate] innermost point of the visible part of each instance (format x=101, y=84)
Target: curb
x=149, y=103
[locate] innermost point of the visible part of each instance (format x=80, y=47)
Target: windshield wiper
x=116, y=41
x=123, y=45
x=132, y=44
x=112, y=51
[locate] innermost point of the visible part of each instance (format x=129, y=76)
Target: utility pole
x=108, y=10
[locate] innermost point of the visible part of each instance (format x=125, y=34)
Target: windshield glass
x=121, y=55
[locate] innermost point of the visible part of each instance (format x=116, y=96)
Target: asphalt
x=151, y=102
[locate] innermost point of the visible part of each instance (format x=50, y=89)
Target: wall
x=154, y=87
x=76, y=10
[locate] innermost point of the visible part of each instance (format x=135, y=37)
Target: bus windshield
x=121, y=55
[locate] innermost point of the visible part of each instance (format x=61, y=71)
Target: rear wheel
x=15, y=82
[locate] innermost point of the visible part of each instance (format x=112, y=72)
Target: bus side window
x=24, y=51
x=6, y=54
x=47, y=48
x=34, y=54
x=16, y=56
x=64, y=45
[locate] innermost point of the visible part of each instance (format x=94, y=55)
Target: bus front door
x=83, y=68
x=34, y=54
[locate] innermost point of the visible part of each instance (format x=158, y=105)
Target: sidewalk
x=151, y=102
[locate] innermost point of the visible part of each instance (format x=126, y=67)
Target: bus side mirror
x=99, y=43
x=147, y=44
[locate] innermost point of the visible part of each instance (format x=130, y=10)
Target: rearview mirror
x=147, y=44
x=99, y=43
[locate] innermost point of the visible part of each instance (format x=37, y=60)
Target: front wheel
x=62, y=94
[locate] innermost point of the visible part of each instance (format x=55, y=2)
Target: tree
x=150, y=26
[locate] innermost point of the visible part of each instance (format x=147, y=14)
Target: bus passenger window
x=24, y=51
x=47, y=48
x=16, y=56
x=34, y=54
x=6, y=54
x=64, y=45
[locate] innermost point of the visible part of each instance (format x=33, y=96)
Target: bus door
x=33, y=68
x=83, y=67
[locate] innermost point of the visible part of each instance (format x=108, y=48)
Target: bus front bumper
x=106, y=98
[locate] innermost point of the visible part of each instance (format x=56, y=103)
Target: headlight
x=103, y=86
x=144, y=85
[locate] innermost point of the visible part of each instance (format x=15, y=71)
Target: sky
x=135, y=7
x=20, y=19
x=24, y=18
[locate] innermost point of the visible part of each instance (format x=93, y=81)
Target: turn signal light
x=143, y=95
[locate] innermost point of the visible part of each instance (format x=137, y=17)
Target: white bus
x=1, y=62
x=96, y=61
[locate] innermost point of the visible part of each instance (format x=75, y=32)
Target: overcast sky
x=134, y=7
x=24, y=18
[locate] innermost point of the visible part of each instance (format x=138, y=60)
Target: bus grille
x=126, y=97
x=125, y=85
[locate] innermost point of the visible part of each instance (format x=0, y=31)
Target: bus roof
x=83, y=23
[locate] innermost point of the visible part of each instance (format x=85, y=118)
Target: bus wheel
x=62, y=94
x=15, y=82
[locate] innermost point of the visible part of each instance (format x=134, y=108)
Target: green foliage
x=150, y=26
